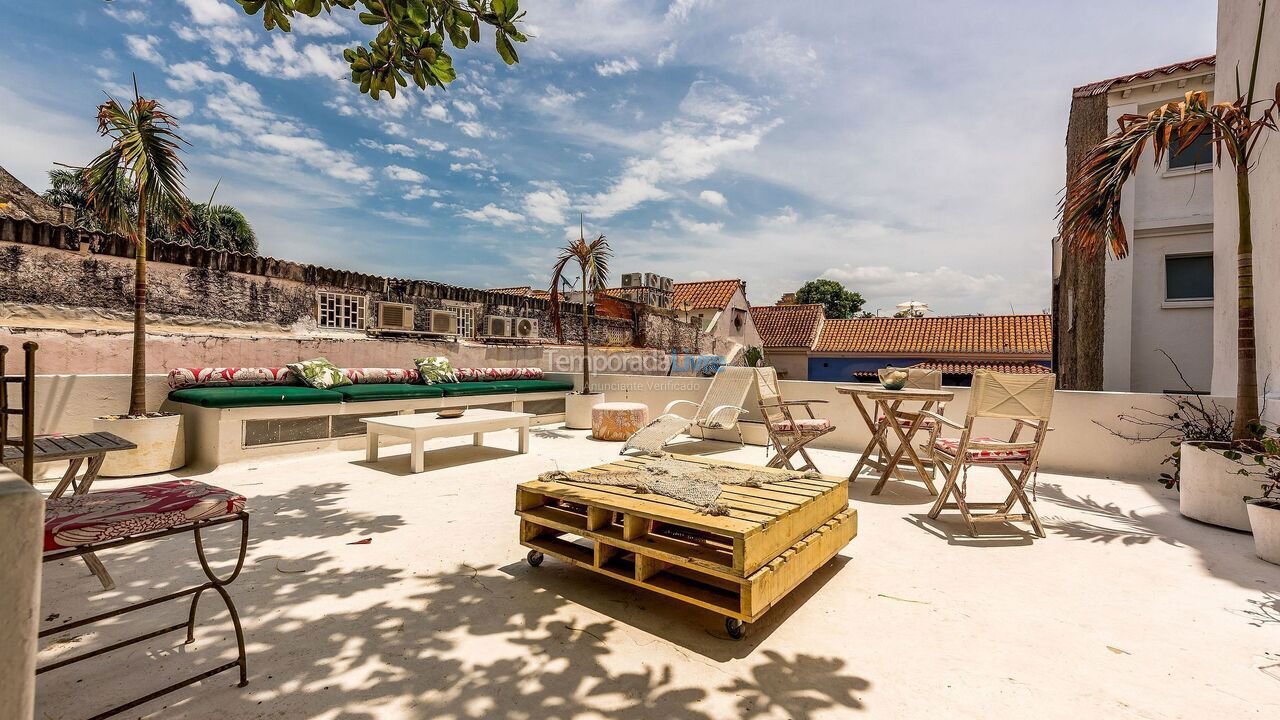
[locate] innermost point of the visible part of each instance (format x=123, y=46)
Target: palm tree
x=1091, y=220
x=593, y=260
x=144, y=147
x=221, y=227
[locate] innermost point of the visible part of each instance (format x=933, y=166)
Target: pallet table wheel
x=534, y=558
x=735, y=627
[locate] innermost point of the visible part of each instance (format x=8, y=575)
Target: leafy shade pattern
x=435, y=370
x=409, y=44
x=319, y=374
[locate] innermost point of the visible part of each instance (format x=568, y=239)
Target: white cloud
x=467, y=153
x=554, y=98
x=144, y=48
x=436, y=111
x=942, y=286
x=665, y=55
x=611, y=68
x=215, y=136
x=493, y=214
x=547, y=204
x=211, y=12
x=281, y=57
x=475, y=130
x=191, y=75
x=465, y=107
x=680, y=9
x=403, y=174
x=393, y=148
x=131, y=16
x=395, y=128
x=711, y=197
x=716, y=103
x=321, y=26
x=418, y=192
x=177, y=107
x=695, y=227
x=403, y=218
x=432, y=145
x=309, y=151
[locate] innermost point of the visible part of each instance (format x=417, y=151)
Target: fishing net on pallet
x=694, y=483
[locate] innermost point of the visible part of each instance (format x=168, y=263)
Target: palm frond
x=144, y=148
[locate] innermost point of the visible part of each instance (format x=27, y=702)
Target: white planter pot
x=577, y=409
x=1266, y=531
x=1211, y=490
x=161, y=445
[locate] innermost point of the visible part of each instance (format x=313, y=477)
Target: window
x=340, y=310
x=1188, y=277
x=1199, y=152
x=468, y=318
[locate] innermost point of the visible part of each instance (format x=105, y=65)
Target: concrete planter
x=1211, y=490
x=577, y=409
x=160, y=440
x=1264, y=517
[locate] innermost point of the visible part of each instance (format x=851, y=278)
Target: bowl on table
x=451, y=413
x=893, y=379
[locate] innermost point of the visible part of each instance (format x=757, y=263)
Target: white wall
x=1183, y=329
x=1237, y=24
x=21, y=522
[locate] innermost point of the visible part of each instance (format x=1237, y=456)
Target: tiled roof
x=977, y=334
x=707, y=294
x=787, y=325
x=960, y=368
x=1103, y=86
x=522, y=291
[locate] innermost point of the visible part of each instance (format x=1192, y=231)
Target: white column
x=21, y=545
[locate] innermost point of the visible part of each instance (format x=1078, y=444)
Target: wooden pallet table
x=738, y=565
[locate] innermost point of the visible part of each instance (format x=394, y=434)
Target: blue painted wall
x=837, y=369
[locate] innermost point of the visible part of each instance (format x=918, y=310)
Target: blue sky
x=909, y=150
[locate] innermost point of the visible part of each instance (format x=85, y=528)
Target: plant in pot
x=1092, y=223
x=592, y=259
x=135, y=182
x=1263, y=464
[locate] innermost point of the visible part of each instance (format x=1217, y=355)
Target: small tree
x=1091, y=220
x=144, y=148
x=836, y=301
x=592, y=259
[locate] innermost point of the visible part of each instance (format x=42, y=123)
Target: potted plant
x=1091, y=223
x=137, y=180
x=592, y=259
x=1264, y=510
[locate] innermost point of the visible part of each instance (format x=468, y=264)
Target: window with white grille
x=340, y=310
x=468, y=317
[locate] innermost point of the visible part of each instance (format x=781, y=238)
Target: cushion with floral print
x=434, y=370
x=319, y=373
x=380, y=376
x=492, y=374
x=180, y=378
x=108, y=514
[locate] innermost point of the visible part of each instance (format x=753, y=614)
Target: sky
x=910, y=150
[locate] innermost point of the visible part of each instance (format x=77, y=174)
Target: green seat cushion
x=535, y=386
x=387, y=391
x=261, y=396
x=474, y=388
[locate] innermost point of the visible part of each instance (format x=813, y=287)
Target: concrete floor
x=1126, y=610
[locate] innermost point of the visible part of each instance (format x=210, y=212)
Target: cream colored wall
x=721, y=325
x=21, y=522
x=791, y=365
x=1182, y=329
x=1237, y=24
x=1077, y=445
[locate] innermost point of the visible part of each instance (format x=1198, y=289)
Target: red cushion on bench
x=81, y=519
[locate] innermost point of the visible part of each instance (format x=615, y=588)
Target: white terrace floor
x=1126, y=610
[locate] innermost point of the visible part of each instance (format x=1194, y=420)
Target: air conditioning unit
x=395, y=316
x=495, y=326
x=652, y=280
x=632, y=280
x=526, y=328
x=668, y=284
x=444, y=322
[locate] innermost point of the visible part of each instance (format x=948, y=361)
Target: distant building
x=787, y=299
x=720, y=307
x=958, y=344
x=1115, y=316
x=787, y=334
x=19, y=202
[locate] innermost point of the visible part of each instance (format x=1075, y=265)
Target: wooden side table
x=887, y=403
x=618, y=421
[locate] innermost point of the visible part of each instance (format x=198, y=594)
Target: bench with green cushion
x=260, y=396
x=463, y=389
x=387, y=391
x=535, y=386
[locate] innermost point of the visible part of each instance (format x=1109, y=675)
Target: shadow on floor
x=397, y=461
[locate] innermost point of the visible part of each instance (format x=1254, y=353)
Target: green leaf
x=371, y=19
x=418, y=12
x=505, y=50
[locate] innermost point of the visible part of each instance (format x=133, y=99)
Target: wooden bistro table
x=738, y=565
x=885, y=417
x=76, y=450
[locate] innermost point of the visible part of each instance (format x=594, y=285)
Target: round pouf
x=617, y=420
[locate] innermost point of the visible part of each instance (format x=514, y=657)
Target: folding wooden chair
x=1026, y=400
x=788, y=433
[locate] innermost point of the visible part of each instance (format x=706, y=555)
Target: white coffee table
x=421, y=427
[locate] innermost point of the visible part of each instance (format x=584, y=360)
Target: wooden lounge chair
x=719, y=410
x=787, y=433
x=1026, y=400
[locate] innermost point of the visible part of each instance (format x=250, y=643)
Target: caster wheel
x=736, y=628
x=534, y=558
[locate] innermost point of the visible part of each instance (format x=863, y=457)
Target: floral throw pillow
x=435, y=370
x=319, y=373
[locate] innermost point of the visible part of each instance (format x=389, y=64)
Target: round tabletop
x=876, y=391
x=617, y=406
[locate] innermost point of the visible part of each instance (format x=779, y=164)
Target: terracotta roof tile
x=962, y=368
x=707, y=294
x=787, y=325
x=1103, y=86
x=979, y=334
